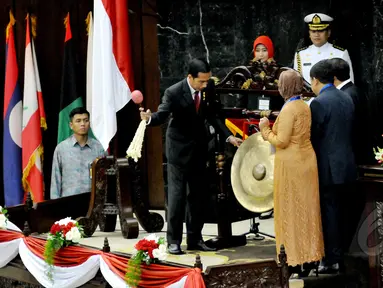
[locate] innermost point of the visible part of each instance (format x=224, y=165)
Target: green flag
x=69, y=96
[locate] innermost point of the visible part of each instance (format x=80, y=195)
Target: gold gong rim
x=254, y=195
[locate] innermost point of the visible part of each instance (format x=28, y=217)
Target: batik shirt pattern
x=71, y=167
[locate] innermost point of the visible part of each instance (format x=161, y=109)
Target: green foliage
x=133, y=273
x=51, y=247
x=5, y=212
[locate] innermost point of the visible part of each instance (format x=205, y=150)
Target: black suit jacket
x=331, y=129
x=352, y=90
x=188, y=132
x=361, y=145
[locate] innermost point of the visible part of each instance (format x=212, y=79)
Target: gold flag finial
x=34, y=26
x=66, y=19
x=12, y=22
x=87, y=22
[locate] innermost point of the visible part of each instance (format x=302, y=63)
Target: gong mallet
x=135, y=147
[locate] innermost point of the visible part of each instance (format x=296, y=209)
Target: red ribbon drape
x=153, y=275
x=156, y=275
x=68, y=257
x=9, y=235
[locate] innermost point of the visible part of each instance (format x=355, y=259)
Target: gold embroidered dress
x=297, y=214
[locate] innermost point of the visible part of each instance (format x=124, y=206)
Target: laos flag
x=13, y=108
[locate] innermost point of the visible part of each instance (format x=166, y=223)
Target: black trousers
x=180, y=199
x=341, y=209
x=331, y=222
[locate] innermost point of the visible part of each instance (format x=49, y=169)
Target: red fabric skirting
x=153, y=275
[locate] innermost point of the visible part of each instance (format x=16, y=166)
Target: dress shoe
x=200, y=245
x=329, y=269
x=175, y=249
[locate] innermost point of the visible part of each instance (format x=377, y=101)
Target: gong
x=252, y=174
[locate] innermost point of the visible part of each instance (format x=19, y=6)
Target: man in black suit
x=193, y=118
x=332, y=114
x=343, y=82
x=353, y=200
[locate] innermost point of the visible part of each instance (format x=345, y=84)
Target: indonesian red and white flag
x=33, y=120
x=111, y=67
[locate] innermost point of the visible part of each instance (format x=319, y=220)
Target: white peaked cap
x=318, y=21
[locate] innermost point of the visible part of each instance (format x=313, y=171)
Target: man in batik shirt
x=73, y=156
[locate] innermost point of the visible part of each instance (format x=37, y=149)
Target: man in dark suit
x=193, y=118
x=331, y=129
x=353, y=200
x=342, y=81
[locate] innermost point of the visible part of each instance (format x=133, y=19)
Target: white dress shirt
x=343, y=84
x=192, y=90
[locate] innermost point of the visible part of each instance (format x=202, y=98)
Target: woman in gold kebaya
x=297, y=213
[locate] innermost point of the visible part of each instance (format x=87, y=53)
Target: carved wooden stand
x=121, y=186
x=225, y=237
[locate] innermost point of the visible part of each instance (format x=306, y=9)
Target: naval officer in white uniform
x=319, y=32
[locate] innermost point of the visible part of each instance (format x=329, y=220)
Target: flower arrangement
x=149, y=250
x=3, y=218
x=378, y=155
x=63, y=233
x=135, y=147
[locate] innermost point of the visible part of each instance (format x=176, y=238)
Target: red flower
x=55, y=229
x=147, y=246
x=150, y=252
x=67, y=228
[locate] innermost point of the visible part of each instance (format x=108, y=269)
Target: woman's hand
x=264, y=123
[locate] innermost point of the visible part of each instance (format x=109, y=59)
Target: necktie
x=196, y=100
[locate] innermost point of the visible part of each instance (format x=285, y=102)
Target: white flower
x=378, y=156
x=160, y=253
x=73, y=235
x=153, y=237
x=378, y=153
x=3, y=220
x=1, y=208
x=65, y=221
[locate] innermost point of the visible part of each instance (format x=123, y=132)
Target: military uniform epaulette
x=339, y=48
x=303, y=48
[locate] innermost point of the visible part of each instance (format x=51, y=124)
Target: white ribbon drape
x=112, y=278
x=8, y=251
x=12, y=226
x=63, y=277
